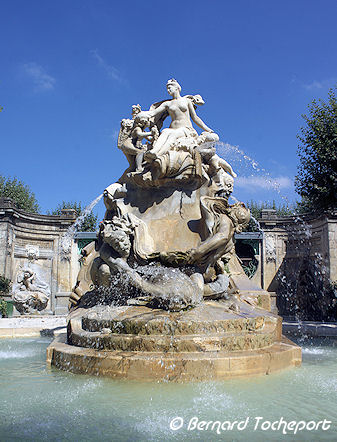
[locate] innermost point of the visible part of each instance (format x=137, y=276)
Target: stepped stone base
x=205, y=343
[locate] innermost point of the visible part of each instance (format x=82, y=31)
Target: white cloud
x=110, y=70
x=320, y=84
x=263, y=182
x=42, y=80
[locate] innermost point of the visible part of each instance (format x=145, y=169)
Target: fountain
x=161, y=294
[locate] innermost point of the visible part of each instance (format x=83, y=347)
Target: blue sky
x=71, y=70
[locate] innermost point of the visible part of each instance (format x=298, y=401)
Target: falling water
x=299, y=235
x=67, y=238
x=227, y=150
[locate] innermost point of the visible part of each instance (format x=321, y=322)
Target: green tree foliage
x=89, y=223
x=316, y=181
x=5, y=285
x=281, y=209
x=20, y=193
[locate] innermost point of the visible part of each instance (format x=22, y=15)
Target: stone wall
x=300, y=262
x=32, y=241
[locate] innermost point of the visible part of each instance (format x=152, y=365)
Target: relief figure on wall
x=31, y=295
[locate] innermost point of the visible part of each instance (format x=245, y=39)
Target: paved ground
x=32, y=326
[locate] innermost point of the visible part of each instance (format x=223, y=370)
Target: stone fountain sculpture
x=162, y=279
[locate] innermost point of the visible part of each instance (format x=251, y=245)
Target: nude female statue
x=181, y=110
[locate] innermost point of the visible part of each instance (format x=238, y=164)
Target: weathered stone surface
x=207, y=342
x=29, y=240
x=178, y=367
x=208, y=327
x=208, y=317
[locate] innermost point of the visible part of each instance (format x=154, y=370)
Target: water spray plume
x=67, y=238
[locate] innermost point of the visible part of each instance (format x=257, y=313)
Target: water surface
x=40, y=404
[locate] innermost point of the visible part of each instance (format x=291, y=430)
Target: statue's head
x=117, y=233
x=121, y=243
x=136, y=108
x=222, y=183
x=171, y=85
x=27, y=274
x=240, y=216
x=142, y=119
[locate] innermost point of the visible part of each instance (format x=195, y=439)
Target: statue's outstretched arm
x=227, y=167
x=197, y=120
x=157, y=110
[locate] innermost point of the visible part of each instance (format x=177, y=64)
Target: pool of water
x=40, y=403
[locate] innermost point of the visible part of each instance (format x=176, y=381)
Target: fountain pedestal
x=205, y=343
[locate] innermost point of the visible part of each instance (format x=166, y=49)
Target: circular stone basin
x=207, y=342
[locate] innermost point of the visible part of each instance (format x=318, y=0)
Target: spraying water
x=305, y=275
x=229, y=151
x=67, y=238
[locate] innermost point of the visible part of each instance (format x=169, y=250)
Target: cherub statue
x=131, y=136
x=214, y=162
